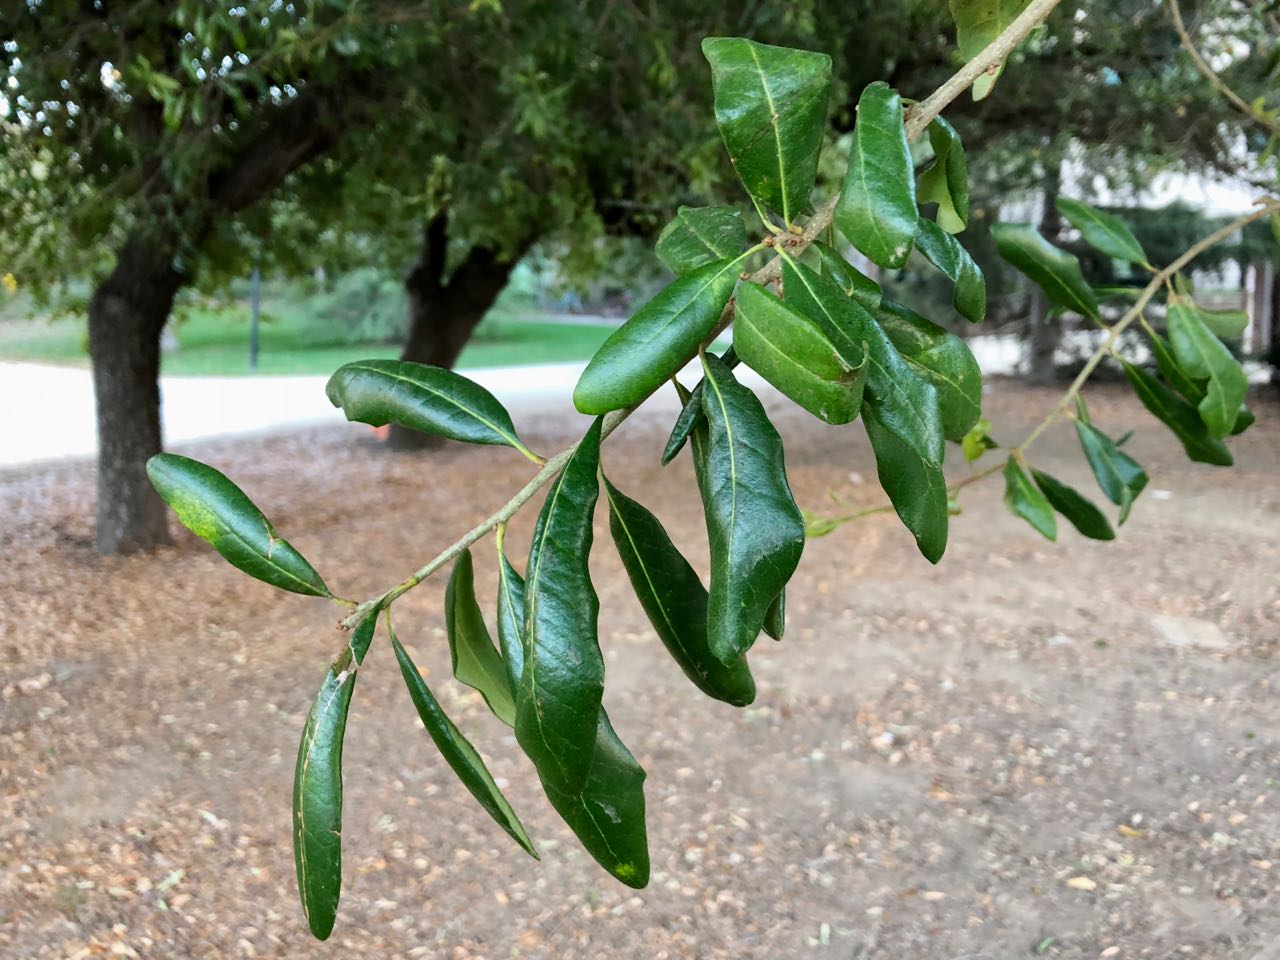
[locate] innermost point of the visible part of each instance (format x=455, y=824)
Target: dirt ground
x=1030, y=750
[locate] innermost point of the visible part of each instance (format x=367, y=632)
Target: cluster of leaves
x=809, y=323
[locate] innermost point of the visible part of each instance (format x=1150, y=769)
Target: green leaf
x=792, y=353
x=1244, y=420
x=1119, y=476
x=656, y=342
x=775, y=620
x=218, y=512
x=1079, y=510
x=462, y=757
x=946, y=183
x=701, y=235
x=978, y=22
x=558, y=703
x=905, y=403
x=690, y=411
x=1102, y=231
x=1179, y=416
x=771, y=106
x=1203, y=357
x=945, y=252
x=916, y=488
x=978, y=441
x=1172, y=371
x=673, y=598
x=510, y=618
x=422, y=398
x=941, y=358
x=877, y=207
x=317, y=787
x=1025, y=500
x=1228, y=324
x=846, y=276
x=754, y=527
x=607, y=815
x=1054, y=270
x=476, y=661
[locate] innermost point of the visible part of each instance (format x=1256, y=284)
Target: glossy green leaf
x=1079, y=510
x=791, y=352
x=775, y=619
x=753, y=525
x=1025, y=500
x=510, y=618
x=941, y=358
x=476, y=661
x=946, y=183
x=673, y=598
x=905, y=403
x=558, y=703
x=1227, y=324
x=846, y=276
x=1052, y=269
x=690, y=411
x=1102, y=231
x=462, y=757
x=1119, y=476
x=657, y=341
x=771, y=106
x=916, y=488
x=317, y=787
x=1179, y=416
x=1203, y=357
x=877, y=208
x=607, y=815
x=218, y=512
x=427, y=399
x=978, y=22
x=1172, y=371
x=701, y=235
x=969, y=294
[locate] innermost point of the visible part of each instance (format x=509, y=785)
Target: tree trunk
x=442, y=316
x=1044, y=333
x=126, y=315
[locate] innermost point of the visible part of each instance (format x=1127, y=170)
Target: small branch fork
x=921, y=115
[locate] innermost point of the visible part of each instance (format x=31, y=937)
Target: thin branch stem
x=1260, y=117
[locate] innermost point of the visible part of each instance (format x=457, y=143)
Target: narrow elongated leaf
x=218, y=512
x=1102, y=231
x=1052, y=269
x=1172, y=371
x=754, y=527
x=1179, y=416
x=701, y=235
x=462, y=757
x=1079, y=510
x=1227, y=324
x=673, y=598
x=791, y=352
x=1025, y=500
x=558, y=703
x=946, y=183
x=691, y=411
x=978, y=22
x=1203, y=357
x=771, y=106
x=476, y=661
x=905, y=403
x=877, y=207
x=317, y=787
x=941, y=358
x=510, y=619
x=427, y=399
x=775, y=620
x=1119, y=476
x=657, y=341
x=846, y=276
x=945, y=252
x=607, y=815
x=916, y=488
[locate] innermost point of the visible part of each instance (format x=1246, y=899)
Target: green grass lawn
x=216, y=343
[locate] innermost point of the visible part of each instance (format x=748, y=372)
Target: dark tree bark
x=442, y=316
x=1044, y=333
x=126, y=314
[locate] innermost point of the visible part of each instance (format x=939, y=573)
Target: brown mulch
x=1030, y=750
